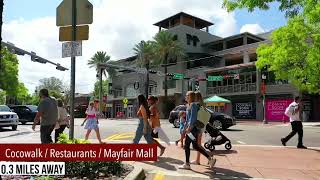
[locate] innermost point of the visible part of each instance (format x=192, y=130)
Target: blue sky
x=30, y=9
x=117, y=26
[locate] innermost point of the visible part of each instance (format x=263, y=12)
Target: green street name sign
x=215, y=78
x=178, y=76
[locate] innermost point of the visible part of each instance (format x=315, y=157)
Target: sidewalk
x=242, y=162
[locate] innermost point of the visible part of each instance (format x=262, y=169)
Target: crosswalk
x=121, y=136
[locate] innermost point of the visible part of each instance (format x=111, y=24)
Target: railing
x=232, y=89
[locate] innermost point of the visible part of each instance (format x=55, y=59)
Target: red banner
x=78, y=152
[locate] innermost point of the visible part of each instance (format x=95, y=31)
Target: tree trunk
x=147, y=81
x=1, y=22
x=165, y=77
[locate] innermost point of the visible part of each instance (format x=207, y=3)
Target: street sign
x=178, y=76
x=71, y=49
x=263, y=76
x=125, y=105
x=65, y=33
x=125, y=101
x=215, y=78
x=84, y=13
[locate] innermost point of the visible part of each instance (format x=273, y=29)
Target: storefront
x=275, y=109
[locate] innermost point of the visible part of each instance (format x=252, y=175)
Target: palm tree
x=101, y=57
x=145, y=54
x=165, y=48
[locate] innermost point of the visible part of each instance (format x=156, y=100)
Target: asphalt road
x=242, y=133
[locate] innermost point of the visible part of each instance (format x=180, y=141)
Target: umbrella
x=216, y=101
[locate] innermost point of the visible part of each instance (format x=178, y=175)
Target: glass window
x=248, y=78
x=242, y=78
x=254, y=77
x=230, y=81
x=225, y=82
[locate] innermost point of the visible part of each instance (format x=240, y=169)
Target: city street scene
x=237, y=79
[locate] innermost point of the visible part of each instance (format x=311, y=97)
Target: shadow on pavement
x=5, y=130
x=232, y=130
x=317, y=150
x=221, y=173
x=166, y=163
x=218, y=152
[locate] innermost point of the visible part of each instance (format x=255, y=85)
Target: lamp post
x=263, y=91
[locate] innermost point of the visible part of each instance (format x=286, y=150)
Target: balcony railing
x=251, y=87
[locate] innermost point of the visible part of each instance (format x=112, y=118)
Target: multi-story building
x=232, y=57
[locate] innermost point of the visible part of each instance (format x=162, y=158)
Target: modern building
x=232, y=57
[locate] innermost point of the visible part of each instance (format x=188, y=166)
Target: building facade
x=232, y=57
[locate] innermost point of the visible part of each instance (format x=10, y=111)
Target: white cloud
x=252, y=28
x=117, y=26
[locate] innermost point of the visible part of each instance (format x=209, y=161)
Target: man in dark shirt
x=47, y=115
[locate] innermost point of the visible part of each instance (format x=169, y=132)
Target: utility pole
x=73, y=68
x=263, y=91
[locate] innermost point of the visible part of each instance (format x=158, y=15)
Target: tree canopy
x=54, y=85
x=294, y=50
x=9, y=73
x=105, y=88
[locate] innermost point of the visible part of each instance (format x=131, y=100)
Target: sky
x=117, y=26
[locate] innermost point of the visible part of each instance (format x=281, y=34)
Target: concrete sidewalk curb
x=136, y=174
x=168, y=175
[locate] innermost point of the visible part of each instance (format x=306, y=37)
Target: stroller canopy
x=216, y=100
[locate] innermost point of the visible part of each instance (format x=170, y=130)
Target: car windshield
x=4, y=108
x=33, y=108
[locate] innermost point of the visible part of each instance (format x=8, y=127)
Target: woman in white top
x=63, y=120
x=92, y=121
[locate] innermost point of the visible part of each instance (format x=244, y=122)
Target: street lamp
x=263, y=91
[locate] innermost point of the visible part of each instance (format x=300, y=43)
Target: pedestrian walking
x=293, y=111
x=92, y=120
x=47, y=115
x=143, y=128
x=182, y=125
x=200, y=103
x=154, y=122
x=192, y=133
x=63, y=120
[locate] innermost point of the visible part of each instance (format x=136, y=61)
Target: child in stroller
x=217, y=138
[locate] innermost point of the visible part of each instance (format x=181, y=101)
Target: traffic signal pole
x=73, y=69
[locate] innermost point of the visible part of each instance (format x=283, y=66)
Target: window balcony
x=234, y=89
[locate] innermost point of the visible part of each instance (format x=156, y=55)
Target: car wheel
x=212, y=148
x=14, y=127
x=217, y=124
x=176, y=123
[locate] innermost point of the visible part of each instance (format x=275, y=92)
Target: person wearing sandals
x=92, y=121
x=199, y=102
x=155, y=122
x=143, y=128
x=192, y=133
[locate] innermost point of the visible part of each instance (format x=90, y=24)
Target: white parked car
x=8, y=118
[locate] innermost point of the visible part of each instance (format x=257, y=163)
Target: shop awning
x=216, y=101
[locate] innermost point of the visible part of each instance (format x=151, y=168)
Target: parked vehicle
x=8, y=118
x=218, y=120
x=26, y=113
x=173, y=116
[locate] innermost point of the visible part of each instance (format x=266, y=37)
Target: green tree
x=145, y=53
x=105, y=88
x=166, y=48
x=101, y=57
x=2, y=97
x=294, y=52
x=22, y=94
x=54, y=85
x=9, y=73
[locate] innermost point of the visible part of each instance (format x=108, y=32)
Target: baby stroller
x=217, y=138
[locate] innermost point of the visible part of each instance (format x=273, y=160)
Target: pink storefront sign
x=275, y=109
